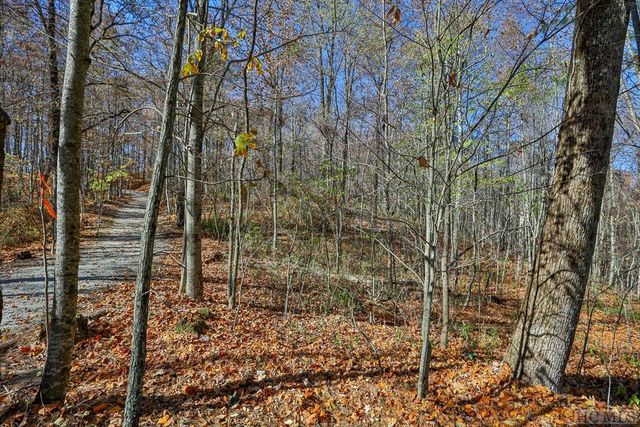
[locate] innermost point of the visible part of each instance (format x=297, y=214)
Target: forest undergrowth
x=326, y=364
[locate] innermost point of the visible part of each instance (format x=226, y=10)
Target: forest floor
x=207, y=365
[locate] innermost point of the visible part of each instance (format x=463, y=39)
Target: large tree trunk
x=546, y=325
x=63, y=320
x=5, y=121
x=143, y=279
x=193, y=200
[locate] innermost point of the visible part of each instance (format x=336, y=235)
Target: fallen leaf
x=100, y=407
x=191, y=389
x=164, y=420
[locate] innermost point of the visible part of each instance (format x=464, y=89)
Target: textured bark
x=545, y=328
x=5, y=121
x=63, y=320
x=193, y=194
x=143, y=279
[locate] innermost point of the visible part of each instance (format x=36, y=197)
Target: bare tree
x=143, y=279
x=546, y=325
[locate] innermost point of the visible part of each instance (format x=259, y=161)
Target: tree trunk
x=5, y=121
x=238, y=191
x=49, y=24
x=613, y=241
x=429, y=265
x=143, y=279
x=277, y=140
x=546, y=325
x=63, y=320
x=193, y=194
x=444, y=270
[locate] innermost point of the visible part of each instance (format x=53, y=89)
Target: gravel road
x=105, y=261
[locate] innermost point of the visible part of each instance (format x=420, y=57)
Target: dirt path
x=105, y=261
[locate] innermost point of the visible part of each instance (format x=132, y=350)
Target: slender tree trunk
x=277, y=140
x=231, y=262
x=5, y=121
x=349, y=77
x=143, y=279
x=613, y=240
x=180, y=210
x=385, y=135
x=635, y=20
x=240, y=194
x=546, y=325
x=429, y=266
x=193, y=199
x=444, y=270
x=63, y=320
x=49, y=24
x=45, y=263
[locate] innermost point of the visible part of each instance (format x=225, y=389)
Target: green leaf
x=244, y=142
x=189, y=69
x=255, y=64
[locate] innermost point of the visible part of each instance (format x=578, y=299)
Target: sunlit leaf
x=243, y=143
x=255, y=64
x=189, y=69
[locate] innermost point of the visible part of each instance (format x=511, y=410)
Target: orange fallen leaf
x=100, y=407
x=191, y=389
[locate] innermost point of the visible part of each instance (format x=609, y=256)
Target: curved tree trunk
x=63, y=320
x=546, y=325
